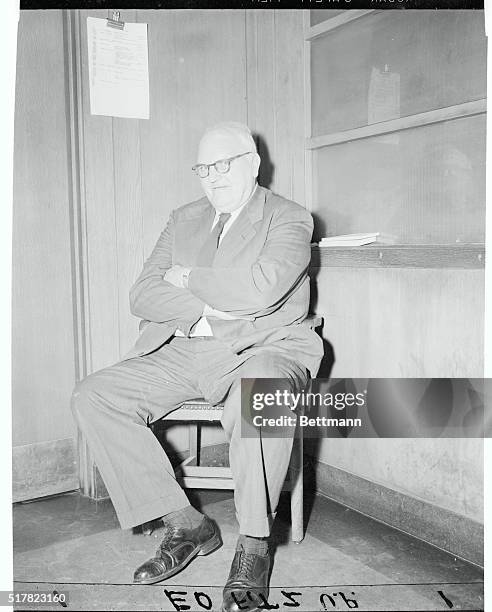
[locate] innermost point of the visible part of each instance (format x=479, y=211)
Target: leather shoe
x=247, y=585
x=177, y=549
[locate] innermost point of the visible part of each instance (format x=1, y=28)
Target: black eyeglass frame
x=226, y=161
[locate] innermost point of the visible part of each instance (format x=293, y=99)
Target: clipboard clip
x=113, y=21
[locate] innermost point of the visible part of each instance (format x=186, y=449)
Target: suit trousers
x=114, y=406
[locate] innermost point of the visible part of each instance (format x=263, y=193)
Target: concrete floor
x=74, y=545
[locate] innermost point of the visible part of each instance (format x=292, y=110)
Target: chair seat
x=196, y=410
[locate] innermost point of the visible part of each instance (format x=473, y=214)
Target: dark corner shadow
x=328, y=360
x=312, y=446
x=267, y=169
x=319, y=230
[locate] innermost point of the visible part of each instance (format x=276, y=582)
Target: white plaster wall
x=446, y=472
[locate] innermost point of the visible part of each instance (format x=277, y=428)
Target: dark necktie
x=209, y=249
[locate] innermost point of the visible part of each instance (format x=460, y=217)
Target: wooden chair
x=190, y=474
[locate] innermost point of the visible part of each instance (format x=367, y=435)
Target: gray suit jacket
x=259, y=273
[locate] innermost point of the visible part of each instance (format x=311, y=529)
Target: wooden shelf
x=467, y=109
x=312, y=32
x=459, y=256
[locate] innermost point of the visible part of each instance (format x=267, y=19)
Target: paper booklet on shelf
x=348, y=240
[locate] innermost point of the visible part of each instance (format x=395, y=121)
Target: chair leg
x=297, y=489
x=194, y=441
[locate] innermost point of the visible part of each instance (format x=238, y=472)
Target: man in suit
x=223, y=296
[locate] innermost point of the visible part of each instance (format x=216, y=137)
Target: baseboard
x=452, y=532
x=44, y=468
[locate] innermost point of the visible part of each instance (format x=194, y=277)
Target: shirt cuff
x=185, y=277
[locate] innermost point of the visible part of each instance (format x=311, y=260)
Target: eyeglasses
x=221, y=166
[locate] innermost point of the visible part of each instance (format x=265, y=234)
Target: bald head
x=237, y=134
x=228, y=191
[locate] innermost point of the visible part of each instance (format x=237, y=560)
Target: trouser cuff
x=148, y=512
x=256, y=527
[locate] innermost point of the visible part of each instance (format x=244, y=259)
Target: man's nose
x=212, y=174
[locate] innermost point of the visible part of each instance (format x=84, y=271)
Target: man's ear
x=255, y=164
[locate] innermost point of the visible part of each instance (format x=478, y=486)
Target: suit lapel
x=193, y=232
x=242, y=230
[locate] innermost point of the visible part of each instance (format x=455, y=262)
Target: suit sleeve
x=261, y=287
x=154, y=299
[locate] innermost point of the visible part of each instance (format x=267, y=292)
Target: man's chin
x=222, y=204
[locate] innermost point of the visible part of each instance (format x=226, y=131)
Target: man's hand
x=142, y=325
x=176, y=276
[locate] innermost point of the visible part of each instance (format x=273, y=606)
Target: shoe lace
x=168, y=534
x=245, y=565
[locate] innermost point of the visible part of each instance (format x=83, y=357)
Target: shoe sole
x=206, y=548
x=246, y=609
x=261, y=609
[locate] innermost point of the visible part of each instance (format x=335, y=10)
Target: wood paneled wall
x=275, y=78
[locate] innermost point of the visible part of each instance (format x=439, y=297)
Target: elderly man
x=222, y=297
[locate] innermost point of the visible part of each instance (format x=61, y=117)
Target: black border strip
x=253, y=4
